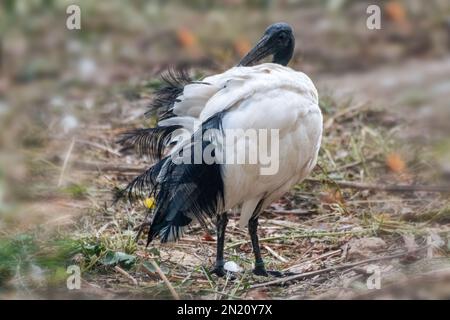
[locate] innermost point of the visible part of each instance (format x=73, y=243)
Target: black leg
x=222, y=221
x=259, y=270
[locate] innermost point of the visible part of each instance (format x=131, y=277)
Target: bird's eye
x=282, y=38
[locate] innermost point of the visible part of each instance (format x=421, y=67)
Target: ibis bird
x=250, y=96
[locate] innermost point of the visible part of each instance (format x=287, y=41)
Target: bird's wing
x=237, y=86
x=202, y=99
x=184, y=104
x=196, y=94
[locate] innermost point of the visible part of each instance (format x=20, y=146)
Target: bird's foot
x=261, y=271
x=219, y=271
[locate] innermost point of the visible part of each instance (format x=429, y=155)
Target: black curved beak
x=261, y=50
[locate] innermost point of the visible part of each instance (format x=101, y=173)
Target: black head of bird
x=278, y=40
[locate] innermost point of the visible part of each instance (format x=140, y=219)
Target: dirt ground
x=375, y=211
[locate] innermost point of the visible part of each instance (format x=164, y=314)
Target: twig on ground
x=99, y=146
x=382, y=187
x=345, y=113
x=295, y=211
x=353, y=164
x=331, y=269
x=325, y=255
x=281, y=223
x=126, y=274
x=164, y=278
x=276, y=255
x=65, y=163
x=307, y=234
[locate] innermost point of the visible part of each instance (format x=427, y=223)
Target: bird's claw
x=219, y=271
x=260, y=271
x=276, y=274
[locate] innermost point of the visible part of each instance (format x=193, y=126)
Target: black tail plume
x=183, y=191
x=142, y=186
x=151, y=142
x=187, y=191
x=165, y=97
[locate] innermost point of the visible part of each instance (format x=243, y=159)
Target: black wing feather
x=182, y=191
x=151, y=141
x=166, y=96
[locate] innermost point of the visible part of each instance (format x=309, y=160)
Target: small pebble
x=232, y=266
